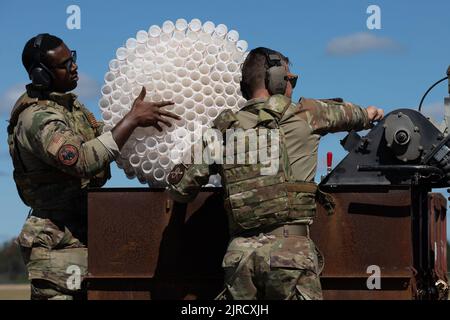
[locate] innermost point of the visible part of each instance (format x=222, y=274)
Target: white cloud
x=359, y=43
x=434, y=110
x=88, y=88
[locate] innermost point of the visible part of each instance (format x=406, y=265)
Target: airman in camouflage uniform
x=58, y=151
x=270, y=255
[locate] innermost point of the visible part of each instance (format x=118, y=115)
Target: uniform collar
x=65, y=99
x=252, y=102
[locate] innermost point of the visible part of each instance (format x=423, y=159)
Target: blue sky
x=392, y=68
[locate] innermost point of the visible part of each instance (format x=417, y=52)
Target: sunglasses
x=69, y=62
x=292, y=79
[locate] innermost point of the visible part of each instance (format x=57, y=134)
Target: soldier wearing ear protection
x=270, y=255
x=58, y=150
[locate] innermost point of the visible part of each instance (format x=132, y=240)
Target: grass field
x=14, y=292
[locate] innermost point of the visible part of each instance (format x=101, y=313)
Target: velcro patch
x=56, y=143
x=176, y=174
x=68, y=155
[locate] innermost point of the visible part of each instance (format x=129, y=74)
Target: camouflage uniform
x=58, y=151
x=270, y=255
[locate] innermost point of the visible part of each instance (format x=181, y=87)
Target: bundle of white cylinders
x=193, y=64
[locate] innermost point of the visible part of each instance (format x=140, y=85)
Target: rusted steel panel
x=367, y=228
x=438, y=235
x=143, y=246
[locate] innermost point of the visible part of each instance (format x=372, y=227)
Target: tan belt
x=309, y=187
x=291, y=230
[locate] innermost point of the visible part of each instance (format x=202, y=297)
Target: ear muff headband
x=39, y=74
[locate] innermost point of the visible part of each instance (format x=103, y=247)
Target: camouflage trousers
x=56, y=261
x=272, y=267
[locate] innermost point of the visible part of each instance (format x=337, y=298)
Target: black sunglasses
x=68, y=64
x=292, y=80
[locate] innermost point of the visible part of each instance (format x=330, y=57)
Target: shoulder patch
x=68, y=155
x=56, y=143
x=176, y=174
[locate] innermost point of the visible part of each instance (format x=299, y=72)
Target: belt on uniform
x=291, y=230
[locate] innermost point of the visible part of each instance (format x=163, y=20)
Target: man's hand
x=374, y=113
x=148, y=114
x=142, y=114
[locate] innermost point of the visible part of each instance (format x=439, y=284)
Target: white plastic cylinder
x=151, y=143
x=203, y=119
x=162, y=148
x=200, y=109
x=232, y=67
x=168, y=26
x=157, y=75
x=160, y=85
x=241, y=45
x=120, y=81
x=231, y=101
x=114, y=65
x=177, y=87
x=107, y=90
x=116, y=95
x=171, y=54
x=135, y=160
x=212, y=49
x=187, y=92
x=125, y=101
x=109, y=77
x=183, y=52
x=121, y=53
x=152, y=156
x=199, y=47
x=138, y=64
x=116, y=108
x=148, y=68
x=152, y=42
x=197, y=57
x=124, y=69
x=147, y=167
x=186, y=82
x=178, y=62
x=141, y=36
x=107, y=115
x=205, y=80
x=127, y=88
x=189, y=104
x=195, y=25
x=164, y=161
x=210, y=60
x=131, y=44
x=181, y=24
x=220, y=102
x=159, y=174
x=180, y=133
x=233, y=36
x=179, y=36
x=167, y=95
x=130, y=75
x=230, y=89
x=215, y=76
x=219, y=88
x=198, y=97
x=204, y=69
x=104, y=103
x=212, y=113
x=165, y=37
x=179, y=110
x=221, y=66
x=190, y=115
x=141, y=49
x=140, y=149
x=178, y=99
x=221, y=30
x=161, y=49
x=227, y=77
x=195, y=75
x=191, y=66
x=196, y=86
x=154, y=31
x=141, y=79
x=208, y=102
x=208, y=27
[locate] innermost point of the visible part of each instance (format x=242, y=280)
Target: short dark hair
x=30, y=53
x=254, y=69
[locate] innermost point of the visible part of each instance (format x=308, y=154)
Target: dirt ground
x=15, y=292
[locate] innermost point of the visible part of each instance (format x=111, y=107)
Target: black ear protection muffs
x=40, y=75
x=276, y=76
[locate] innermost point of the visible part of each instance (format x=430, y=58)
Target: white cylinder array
x=194, y=65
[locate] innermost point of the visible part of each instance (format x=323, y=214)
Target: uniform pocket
x=232, y=259
x=294, y=252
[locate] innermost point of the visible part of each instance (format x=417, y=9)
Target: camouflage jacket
x=57, y=150
x=303, y=124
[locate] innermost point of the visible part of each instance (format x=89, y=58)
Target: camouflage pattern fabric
x=57, y=151
x=48, y=253
x=269, y=267
x=265, y=266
